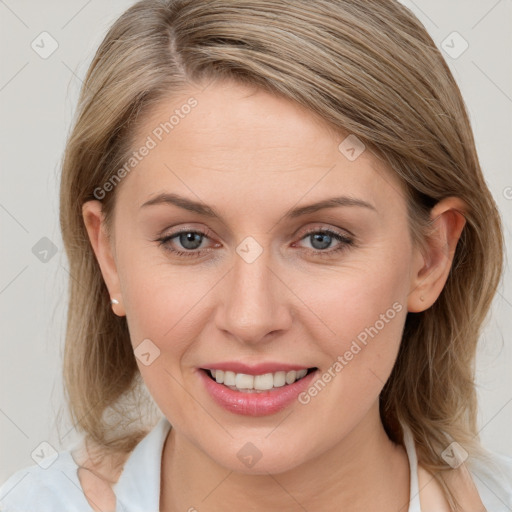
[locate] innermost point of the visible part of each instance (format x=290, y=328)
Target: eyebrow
x=207, y=211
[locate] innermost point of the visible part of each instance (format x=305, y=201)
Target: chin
x=248, y=459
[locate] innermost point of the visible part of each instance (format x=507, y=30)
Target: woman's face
x=275, y=284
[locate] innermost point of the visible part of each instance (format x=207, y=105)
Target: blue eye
x=188, y=238
x=324, y=238
x=320, y=239
x=191, y=241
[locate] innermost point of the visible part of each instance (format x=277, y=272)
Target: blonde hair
x=368, y=68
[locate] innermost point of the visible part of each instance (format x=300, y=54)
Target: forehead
x=236, y=143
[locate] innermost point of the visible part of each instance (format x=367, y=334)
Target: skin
x=252, y=157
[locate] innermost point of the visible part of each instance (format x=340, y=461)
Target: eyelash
x=345, y=243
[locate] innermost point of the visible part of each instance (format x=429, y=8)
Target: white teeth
x=279, y=379
x=291, y=377
x=263, y=382
x=243, y=381
x=301, y=373
x=229, y=378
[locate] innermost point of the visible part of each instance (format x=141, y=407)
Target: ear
x=92, y=212
x=432, y=267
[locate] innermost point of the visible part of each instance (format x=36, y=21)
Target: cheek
x=162, y=304
x=365, y=308
x=162, y=301
x=365, y=301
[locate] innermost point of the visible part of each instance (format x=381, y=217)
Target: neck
x=364, y=471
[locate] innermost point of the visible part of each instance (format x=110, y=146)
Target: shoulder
x=50, y=486
x=486, y=481
x=492, y=475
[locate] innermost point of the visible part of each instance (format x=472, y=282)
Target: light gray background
x=37, y=100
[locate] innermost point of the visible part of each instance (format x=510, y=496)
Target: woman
x=277, y=225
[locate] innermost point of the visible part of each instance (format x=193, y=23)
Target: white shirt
x=58, y=489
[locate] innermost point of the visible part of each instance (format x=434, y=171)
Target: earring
x=114, y=301
x=422, y=298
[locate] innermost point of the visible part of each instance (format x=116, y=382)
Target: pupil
x=190, y=240
x=319, y=237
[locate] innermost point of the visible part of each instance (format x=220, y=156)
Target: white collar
x=138, y=487
x=414, y=491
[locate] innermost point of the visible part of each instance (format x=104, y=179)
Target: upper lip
x=254, y=369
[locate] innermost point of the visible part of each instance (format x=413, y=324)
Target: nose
x=254, y=308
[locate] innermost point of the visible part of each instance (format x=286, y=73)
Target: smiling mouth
x=257, y=383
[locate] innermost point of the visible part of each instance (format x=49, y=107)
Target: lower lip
x=262, y=403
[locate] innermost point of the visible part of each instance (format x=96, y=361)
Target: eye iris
x=324, y=239
x=189, y=237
